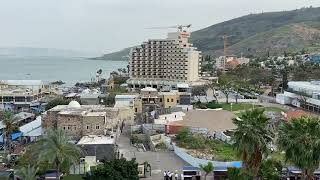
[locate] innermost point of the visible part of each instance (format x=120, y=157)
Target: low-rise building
x=103, y=147
x=230, y=62
x=302, y=94
x=80, y=120
x=19, y=94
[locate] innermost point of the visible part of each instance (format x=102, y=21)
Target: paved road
x=160, y=161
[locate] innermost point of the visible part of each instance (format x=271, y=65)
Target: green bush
x=188, y=140
x=213, y=105
x=161, y=146
x=135, y=140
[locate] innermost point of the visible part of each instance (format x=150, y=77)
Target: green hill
x=259, y=33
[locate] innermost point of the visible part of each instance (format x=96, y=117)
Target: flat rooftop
x=96, y=139
x=213, y=120
x=83, y=107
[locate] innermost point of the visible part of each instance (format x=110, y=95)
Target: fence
x=196, y=161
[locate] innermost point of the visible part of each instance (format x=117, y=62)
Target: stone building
x=80, y=120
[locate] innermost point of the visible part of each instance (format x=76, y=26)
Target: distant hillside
x=272, y=32
x=247, y=27
x=288, y=38
x=115, y=56
x=37, y=52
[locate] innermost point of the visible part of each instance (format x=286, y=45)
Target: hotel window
x=97, y=127
x=168, y=100
x=88, y=127
x=171, y=100
x=69, y=127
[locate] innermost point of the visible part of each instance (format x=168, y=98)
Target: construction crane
x=225, y=44
x=179, y=27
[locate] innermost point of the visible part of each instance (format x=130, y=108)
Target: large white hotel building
x=160, y=63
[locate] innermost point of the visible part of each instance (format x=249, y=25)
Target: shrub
x=212, y=105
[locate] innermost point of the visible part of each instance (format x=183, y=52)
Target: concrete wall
x=196, y=161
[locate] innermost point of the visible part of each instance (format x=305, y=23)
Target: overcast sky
x=109, y=25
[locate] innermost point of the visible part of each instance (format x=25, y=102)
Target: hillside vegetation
x=273, y=32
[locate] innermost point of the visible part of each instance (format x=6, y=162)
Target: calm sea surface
x=69, y=70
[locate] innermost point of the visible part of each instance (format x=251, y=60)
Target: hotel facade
x=160, y=63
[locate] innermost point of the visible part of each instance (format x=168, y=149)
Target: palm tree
x=208, y=168
x=251, y=138
x=8, y=120
x=56, y=149
x=28, y=173
x=300, y=139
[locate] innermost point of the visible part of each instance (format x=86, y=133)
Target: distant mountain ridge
x=38, y=52
x=115, y=56
x=271, y=32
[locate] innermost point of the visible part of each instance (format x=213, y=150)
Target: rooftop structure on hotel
x=160, y=63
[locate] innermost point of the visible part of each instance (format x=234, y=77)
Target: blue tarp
x=14, y=136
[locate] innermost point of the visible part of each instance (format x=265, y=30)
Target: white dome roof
x=74, y=104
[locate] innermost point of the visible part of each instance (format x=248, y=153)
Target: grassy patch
x=274, y=109
x=221, y=151
x=238, y=106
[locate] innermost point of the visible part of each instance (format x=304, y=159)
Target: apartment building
x=302, y=94
x=160, y=63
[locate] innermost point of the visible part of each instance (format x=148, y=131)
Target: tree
x=238, y=174
x=8, y=120
x=225, y=86
x=117, y=169
x=214, y=87
x=300, y=139
x=28, y=173
x=57, y=101
x=270, y=170
x=199, y=91
x=208, y=168
x=251, y=138
x=110, y=99
x=55, y=149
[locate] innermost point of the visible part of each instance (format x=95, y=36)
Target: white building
x=302, y=94
x=164, y=62
x=125, y=100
